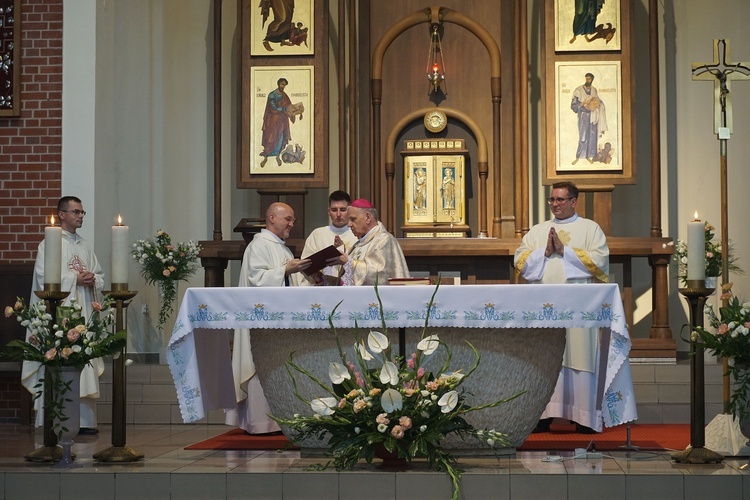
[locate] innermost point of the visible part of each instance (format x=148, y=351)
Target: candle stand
x=119, y=452
x=696, y=294
x=50, y=451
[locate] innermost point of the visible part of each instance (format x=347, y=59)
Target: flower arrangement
x=381, y=401
x=163, y=264
x=68, y=340
x=731, y=340
x=713, y=256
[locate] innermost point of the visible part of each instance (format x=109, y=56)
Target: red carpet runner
x=561, y=437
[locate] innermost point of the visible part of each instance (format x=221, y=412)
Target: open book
x=318, y=259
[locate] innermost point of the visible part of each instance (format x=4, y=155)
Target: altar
x=518, y=330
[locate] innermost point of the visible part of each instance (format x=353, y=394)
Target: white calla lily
x=363, y=352
x=391, y=400
x=448, y=401
x=338, y=373
x=323, y=406
x=377, y=342
x=389, y=373
x=429, y=344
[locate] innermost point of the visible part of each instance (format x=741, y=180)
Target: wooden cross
x=722, y=72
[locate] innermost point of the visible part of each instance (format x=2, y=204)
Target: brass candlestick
x=696, y=294
x=49, y=452
x=119, y=452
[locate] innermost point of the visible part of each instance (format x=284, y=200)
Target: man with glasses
x=83, y=277
x=267, y=262
x=337, y=233
x=569, y=249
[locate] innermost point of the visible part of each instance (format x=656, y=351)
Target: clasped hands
x=554, y=245
x=86, y=278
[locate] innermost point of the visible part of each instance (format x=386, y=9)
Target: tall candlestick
x=120, y=238
x=52, y=253
x=696, y=265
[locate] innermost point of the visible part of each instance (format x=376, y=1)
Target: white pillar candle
x=120, y=238
x=696, y=265
x=52, y=253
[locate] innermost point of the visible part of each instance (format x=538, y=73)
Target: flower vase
x=67, y=423
x=391, y=460
x=712, y=282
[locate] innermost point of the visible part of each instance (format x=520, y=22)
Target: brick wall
x=31, y=144
x=30, y=162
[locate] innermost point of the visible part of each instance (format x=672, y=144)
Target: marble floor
x=170, y=471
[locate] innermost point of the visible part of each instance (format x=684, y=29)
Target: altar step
x=662, y=394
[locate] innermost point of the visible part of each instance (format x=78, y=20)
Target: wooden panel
x=320, y=113
x=405, y=89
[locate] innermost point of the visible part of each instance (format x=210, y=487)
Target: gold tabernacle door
x=434, y=189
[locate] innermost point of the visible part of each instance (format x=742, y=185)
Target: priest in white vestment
x=82, y=276
x=337, y=233
x=267, y=262
x=569, y=249
x=376, y=256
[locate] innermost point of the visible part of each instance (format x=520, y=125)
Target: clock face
x=435, y=121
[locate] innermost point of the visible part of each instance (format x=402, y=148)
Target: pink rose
x=397, y=431
x=166, y=272
x=405, y=422
x=342, y=403
x=66, y=352
x=382, y=419
x=97, y=306
x=8, y=312
x=411, y=362
x=73, y=335
x=18, y=305
x=432, y=385
x=723, y=328
x=172, y=268
x=50, y=355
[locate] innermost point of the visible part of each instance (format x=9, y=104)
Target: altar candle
x=696, y=265
x=52, y=252
x=120, y=238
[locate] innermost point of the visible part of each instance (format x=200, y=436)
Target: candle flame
x=51, y=220
x=119, y=220
x=696, y=216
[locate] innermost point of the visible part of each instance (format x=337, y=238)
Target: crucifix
x=721, y=72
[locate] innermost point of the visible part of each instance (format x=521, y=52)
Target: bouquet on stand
x=164, y=264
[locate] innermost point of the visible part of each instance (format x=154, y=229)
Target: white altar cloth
x=471, y=306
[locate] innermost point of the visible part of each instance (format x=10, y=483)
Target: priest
x=376, y=256
x=267, y=262
x=83, y=277
x=569, y=249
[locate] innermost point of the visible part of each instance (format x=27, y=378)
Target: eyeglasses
x=75, y=212
x=550, y=201
x=290, y=220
